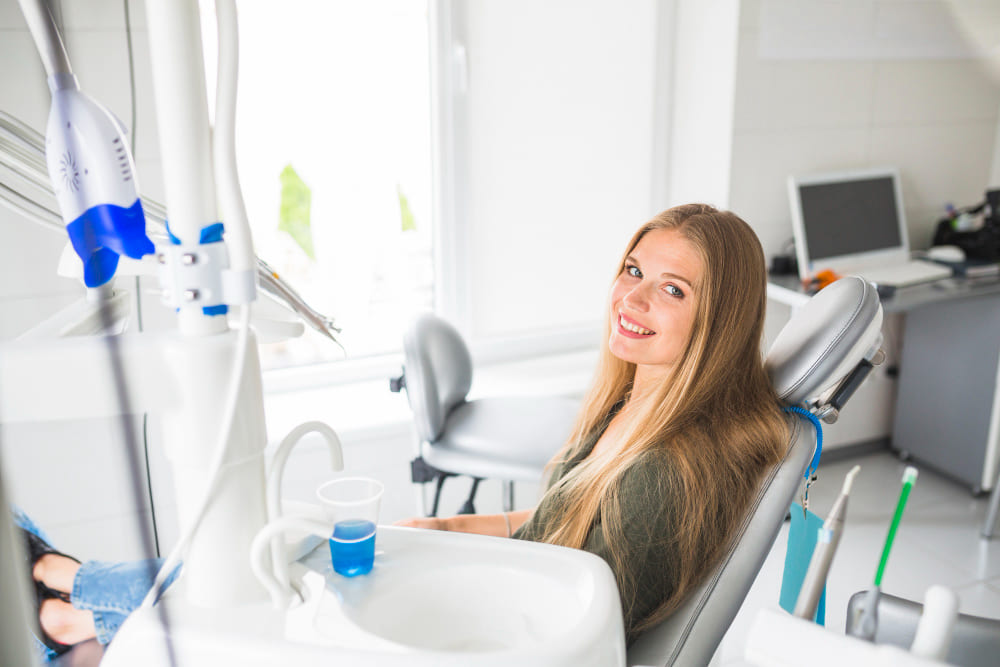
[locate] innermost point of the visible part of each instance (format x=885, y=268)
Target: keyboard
x=908, y=273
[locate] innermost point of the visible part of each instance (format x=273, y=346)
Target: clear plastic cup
x=351, y=504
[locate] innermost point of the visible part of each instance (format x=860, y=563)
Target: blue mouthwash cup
x=352, y=504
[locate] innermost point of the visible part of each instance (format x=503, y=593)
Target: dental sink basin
x=433, y=598
x=445, y=592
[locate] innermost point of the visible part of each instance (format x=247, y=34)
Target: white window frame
x=449, y=127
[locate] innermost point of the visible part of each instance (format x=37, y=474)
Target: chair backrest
x=438, y=370
x=823, y=341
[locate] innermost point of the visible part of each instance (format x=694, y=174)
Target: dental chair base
x=433, y=598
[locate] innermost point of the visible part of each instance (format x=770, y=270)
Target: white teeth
x=632, y=327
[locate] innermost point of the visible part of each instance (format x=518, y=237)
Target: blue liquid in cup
x=352, y=547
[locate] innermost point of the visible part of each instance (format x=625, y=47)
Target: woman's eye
x=674, y=290
x=633, y=271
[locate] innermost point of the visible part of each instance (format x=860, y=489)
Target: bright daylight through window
x=333, y=147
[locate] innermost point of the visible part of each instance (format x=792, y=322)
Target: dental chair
x=816, y=363
x=505, y=438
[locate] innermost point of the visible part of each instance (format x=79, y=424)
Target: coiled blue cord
x=819, y=437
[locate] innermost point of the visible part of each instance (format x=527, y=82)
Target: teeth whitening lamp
x=90, y=167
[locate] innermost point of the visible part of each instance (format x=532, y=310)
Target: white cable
x=242, y=258
x=238, y=239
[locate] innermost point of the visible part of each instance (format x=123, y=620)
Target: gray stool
x=505, y=438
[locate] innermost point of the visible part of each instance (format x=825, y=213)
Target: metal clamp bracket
x=199, y=276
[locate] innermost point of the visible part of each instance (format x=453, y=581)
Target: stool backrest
x=438, y=370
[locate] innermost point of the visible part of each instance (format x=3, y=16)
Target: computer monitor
x=848, y=220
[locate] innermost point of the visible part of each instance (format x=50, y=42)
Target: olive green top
x=647, y=529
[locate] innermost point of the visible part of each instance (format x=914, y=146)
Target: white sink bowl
x=447, y=592
x=433, y=598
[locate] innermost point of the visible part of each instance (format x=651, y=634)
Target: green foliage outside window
x=296, y=202
x=409, y=222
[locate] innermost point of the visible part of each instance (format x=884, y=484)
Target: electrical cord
x=131, y=73
x=137, y=279
x=131, y=452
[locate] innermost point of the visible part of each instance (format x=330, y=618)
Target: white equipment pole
x=217, y=569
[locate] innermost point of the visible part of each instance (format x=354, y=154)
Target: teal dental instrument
x=867, y=624
x=826, y=547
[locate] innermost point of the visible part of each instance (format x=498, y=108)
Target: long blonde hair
x=717, y=420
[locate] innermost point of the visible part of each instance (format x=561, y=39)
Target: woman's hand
x=431, y=523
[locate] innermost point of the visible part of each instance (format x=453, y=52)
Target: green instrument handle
x=903, y=495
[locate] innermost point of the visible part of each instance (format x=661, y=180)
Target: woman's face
x=653, y=301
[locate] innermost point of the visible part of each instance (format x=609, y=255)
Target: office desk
x=947, y=412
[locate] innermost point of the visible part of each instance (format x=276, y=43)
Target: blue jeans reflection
x=110, y=591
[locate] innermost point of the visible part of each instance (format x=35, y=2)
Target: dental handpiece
x=826, y=547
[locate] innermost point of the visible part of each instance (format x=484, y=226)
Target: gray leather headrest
x=825, y=339
x=438, y=370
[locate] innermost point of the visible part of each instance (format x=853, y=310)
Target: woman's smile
x=632, y=329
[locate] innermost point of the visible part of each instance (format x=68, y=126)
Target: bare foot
x=55, y=571
x=66, y=624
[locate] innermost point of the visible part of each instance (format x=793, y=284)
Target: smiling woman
x=653, y=302
x=679, y=425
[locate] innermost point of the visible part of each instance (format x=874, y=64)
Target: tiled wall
x=920, y=104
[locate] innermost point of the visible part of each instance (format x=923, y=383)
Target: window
x=333, y=146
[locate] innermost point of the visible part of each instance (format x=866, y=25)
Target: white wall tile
x=93, y=15
x=69, y=473
x=934, y=92
x=111, y=538
x=750, y=15
x=762, y=162
x=938, y=164
x=147, y=145
x=29, y=256
x=11, y=17
x=875, y=29
x=23, y=91
x=788, y=94
x=100, y=61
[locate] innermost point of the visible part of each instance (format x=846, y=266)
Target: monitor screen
x=850, y=217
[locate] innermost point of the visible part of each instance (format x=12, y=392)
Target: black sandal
x=43, y=593
x=36, y=548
